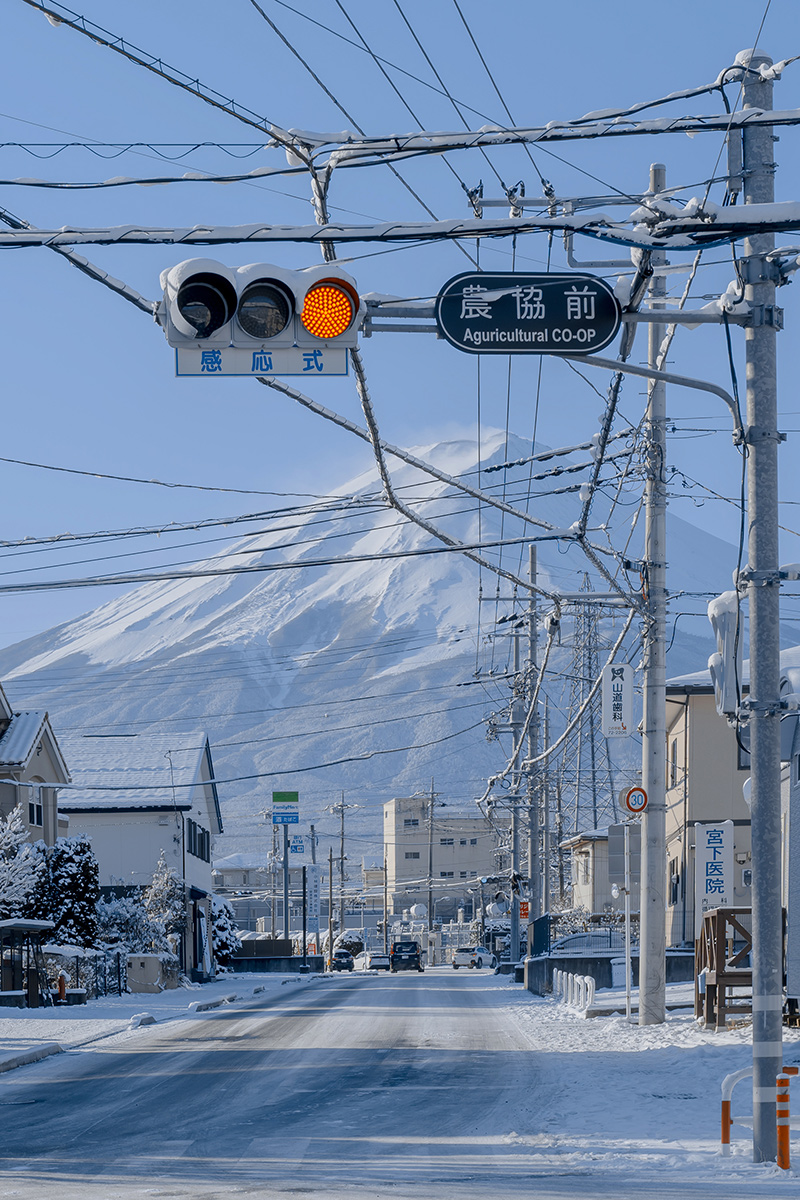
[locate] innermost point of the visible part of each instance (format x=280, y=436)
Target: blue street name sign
x=513, y=313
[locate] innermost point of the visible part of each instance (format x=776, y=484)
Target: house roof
x=21, y=737
x=250, y=860
x=138, y=771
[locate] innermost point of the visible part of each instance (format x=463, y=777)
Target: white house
x=136, y=795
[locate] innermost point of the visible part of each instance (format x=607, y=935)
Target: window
x=446, y=842
x=445, y=874
x=35, y=814
x=198, y=841
x=412, y=853
x=472, y=874
x=473, y=841
x=462, y=841
x=673, y=764
x=408, y=821
x=462, y=874
x=674, y=881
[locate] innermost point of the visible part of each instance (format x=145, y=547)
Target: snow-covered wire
x=529, y=716
x=546, y=753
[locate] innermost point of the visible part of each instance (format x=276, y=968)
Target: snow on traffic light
x=260, y=319
x=726, y=665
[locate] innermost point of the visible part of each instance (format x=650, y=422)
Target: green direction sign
x=285, y=808
x=514, y=313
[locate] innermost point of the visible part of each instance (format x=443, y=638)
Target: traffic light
x=260, y=306
x=726, y=665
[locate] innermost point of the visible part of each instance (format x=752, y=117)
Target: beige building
x=591, y=888
x=706, y=769
x=461, y=850
x=32, y=769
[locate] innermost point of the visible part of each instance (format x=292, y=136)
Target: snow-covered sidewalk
x=27, y=1034
x=641, y=1100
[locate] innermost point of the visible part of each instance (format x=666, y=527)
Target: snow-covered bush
x=224, y=931
x=349, y=939
x=20, y=867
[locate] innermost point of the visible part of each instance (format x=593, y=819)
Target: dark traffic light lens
x=264, y=310
x=206, y=302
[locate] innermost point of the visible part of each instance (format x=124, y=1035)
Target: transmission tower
x=585, y=786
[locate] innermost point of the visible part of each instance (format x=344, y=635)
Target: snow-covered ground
x=606, y=1100
x=79, y=1025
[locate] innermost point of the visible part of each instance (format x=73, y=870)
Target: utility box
x=150, y=973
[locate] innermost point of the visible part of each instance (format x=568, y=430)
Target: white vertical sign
x=617, y=692
x=713, y=869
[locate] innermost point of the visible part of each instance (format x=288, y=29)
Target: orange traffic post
x=782, y=1116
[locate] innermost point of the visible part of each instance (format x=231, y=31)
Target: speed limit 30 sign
x=635, y=800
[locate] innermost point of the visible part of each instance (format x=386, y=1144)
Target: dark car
x=405, y=956
x=342, y=961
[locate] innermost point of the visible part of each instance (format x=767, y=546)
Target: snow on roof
x=248, y=861
x=19, y=740
x=133, y=770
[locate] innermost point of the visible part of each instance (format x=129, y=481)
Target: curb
x=31, y=1056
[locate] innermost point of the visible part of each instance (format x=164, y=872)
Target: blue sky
x=89, y=380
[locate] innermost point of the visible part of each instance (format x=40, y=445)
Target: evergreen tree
x=124, y=921
x=165, y=902
x=224, y=940
x=74, y=889
x=19, y=866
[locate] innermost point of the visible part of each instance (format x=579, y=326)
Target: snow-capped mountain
x=340, y=641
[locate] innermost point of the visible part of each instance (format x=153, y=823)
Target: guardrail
x=576, y=991
x=782, y=1115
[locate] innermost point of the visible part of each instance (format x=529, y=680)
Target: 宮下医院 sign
x=514, y=313
x=713, y=869
x=285, y=808
x=617, y=700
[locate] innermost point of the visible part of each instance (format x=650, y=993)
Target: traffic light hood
x=260, y=304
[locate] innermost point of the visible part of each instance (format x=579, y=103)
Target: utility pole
x=315, y=874
x=340, y=809
x=330, y=907
x=652, y=962
x=533, y=776
x=286, y=882
x=430, y=860
x=764, y=602
x=274, y=877
x=545, y=866
x=516, y=723
x=385, y=903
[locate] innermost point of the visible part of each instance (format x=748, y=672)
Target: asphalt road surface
x=362, y=1086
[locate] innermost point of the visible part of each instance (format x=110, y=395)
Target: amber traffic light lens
x=328, y=310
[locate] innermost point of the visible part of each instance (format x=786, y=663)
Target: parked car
x=589, y=942
x=405, y=956
x=473, y=956
x=378, y=961
x=342, y=961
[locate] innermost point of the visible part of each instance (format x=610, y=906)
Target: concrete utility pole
x=536, y=853
x=516, y=724
x=330, y=909
x=764, y=600
x=652, y=962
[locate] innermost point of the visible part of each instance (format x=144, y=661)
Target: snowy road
x=370, y=1086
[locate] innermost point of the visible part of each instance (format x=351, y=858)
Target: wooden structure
x=23, y=977
x=722, y=955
